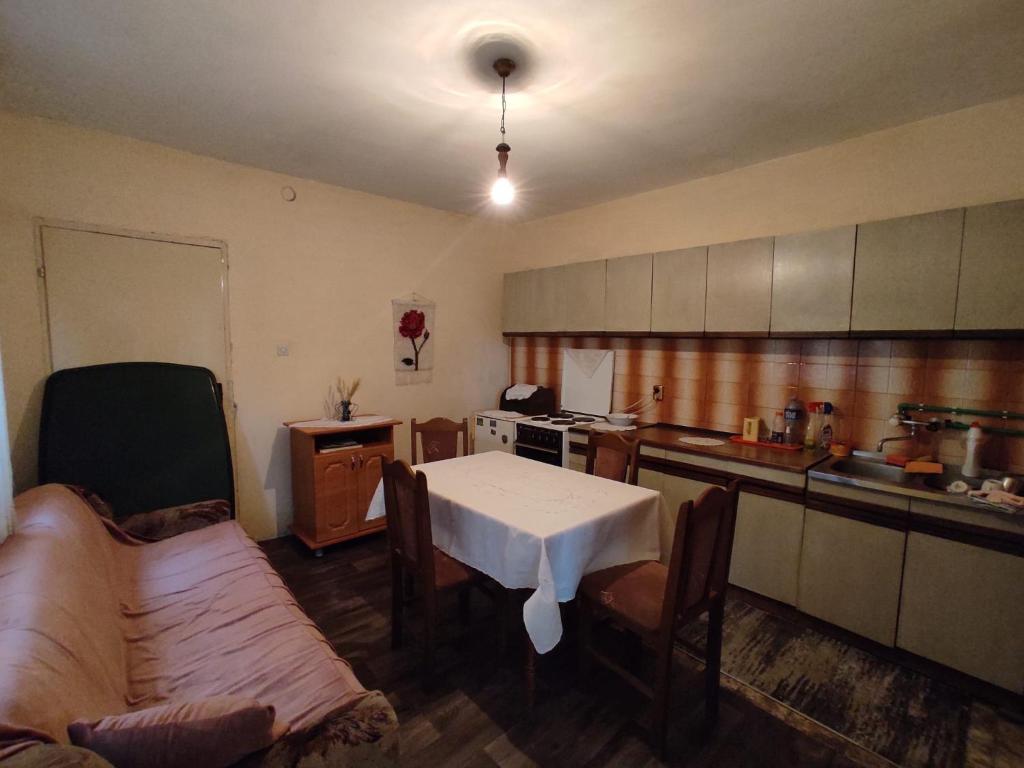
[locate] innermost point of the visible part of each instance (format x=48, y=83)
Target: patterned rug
x=903, y=716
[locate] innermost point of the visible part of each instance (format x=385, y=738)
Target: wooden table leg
x=531, y=674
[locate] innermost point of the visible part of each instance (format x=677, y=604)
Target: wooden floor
x=477, y=715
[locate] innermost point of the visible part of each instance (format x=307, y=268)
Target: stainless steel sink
x=872, y=470
x=869, y=470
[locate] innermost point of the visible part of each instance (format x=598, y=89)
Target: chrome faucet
x=900, y=419
x=884, y=440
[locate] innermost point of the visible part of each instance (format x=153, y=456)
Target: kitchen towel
x=520, y=391
x=588, y=360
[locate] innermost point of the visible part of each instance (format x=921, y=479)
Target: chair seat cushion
x=634, y=593
x=449, y=572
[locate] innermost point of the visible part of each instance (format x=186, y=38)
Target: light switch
x=282, y=350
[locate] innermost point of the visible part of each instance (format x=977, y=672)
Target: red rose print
x=412, y=325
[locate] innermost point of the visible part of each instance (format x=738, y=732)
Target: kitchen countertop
x=667, y=436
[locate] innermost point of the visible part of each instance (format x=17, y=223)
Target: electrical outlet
x=659, y=392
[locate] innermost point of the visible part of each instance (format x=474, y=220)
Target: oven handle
x=537, y=448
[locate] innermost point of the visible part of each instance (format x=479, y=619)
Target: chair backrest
x=701, y=553
x=613, y=456
x=143, y=436
x=440, y=439
x=407, y=504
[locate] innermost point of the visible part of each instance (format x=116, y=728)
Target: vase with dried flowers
x=338, y=403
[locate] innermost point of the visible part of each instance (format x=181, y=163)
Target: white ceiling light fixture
x=502, y=191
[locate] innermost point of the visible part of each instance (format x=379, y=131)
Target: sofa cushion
x=164, y=523
x=214, y=732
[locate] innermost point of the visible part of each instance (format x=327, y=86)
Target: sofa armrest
x=54, y=756
x=363, y=736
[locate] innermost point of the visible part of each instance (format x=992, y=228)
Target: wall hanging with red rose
x=413, y=322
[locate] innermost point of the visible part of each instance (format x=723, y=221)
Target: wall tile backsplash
x=715, y=383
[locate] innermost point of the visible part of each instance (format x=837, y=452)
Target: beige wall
x=317, y=273
x=972, y=156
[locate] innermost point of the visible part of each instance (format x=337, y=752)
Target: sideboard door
x=369, y=477
x=337, y=492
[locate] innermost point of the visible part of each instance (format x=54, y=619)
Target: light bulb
x=502, y=192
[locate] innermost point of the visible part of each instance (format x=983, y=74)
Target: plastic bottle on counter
x=793, y=416
x=972, y=459
x=778, y=428
x=813, y=432
x=826, y=426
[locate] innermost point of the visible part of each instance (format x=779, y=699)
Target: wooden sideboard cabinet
x=332, y=487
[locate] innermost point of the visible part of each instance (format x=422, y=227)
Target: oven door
x=546, y=455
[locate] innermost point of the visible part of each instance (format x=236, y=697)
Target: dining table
x=536, y=527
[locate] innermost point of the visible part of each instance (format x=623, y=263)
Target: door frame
x=39, y=223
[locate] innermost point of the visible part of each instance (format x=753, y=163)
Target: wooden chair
x=413, y=554
x=440, y=438
x=653, y=601
x=611, y=455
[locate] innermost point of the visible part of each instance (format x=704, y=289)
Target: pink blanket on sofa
x=93, y=624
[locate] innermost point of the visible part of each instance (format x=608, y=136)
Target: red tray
x=765, y=444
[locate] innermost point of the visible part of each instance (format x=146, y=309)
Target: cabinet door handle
x=361, y=461
x=352, y=461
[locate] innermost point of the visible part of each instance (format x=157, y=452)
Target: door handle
x=361, y=460
x=352, y=461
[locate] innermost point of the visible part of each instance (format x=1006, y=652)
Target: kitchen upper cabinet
x=628, y=293
x=961, y=607
x=766, y=548
x=850, y=574
x=514, y=302
x=678, y=289
x=545, y=305
x=812, y=279
x=993, y=253
x=584, y=300
x=739, y=291
x=905, y=273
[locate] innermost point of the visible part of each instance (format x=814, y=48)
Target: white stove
x=586, y=397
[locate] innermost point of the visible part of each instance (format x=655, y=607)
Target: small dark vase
x=346, y=410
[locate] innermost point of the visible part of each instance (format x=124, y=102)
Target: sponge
x=924, y=467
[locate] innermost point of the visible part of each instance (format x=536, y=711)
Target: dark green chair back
x=143, y=436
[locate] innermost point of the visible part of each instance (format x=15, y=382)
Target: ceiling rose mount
x=502, y=191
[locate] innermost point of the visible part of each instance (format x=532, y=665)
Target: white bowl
x=621, y=419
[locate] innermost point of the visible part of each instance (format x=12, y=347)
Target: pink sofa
x=93, y=623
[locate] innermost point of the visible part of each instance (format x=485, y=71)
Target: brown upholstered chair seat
x=635, y=592
x=449, y=572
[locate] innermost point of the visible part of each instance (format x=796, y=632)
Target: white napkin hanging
x=588, y=360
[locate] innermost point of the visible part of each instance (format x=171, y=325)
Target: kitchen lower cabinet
x=850, y=574
x=812, y=279
x=628, y=294
x=961, y=607
x=906, y=272
x=993, y=250
x=739, y=294
x=766, y=548
x=577, y=462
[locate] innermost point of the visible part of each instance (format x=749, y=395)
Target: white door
x=113, y=298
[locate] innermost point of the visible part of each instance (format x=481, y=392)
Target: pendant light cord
x=503, y=108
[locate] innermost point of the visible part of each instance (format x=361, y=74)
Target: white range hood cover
x=587, y=376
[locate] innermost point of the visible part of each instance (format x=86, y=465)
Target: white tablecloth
x=531, y=525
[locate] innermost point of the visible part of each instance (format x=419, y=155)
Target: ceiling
x=395, y=97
